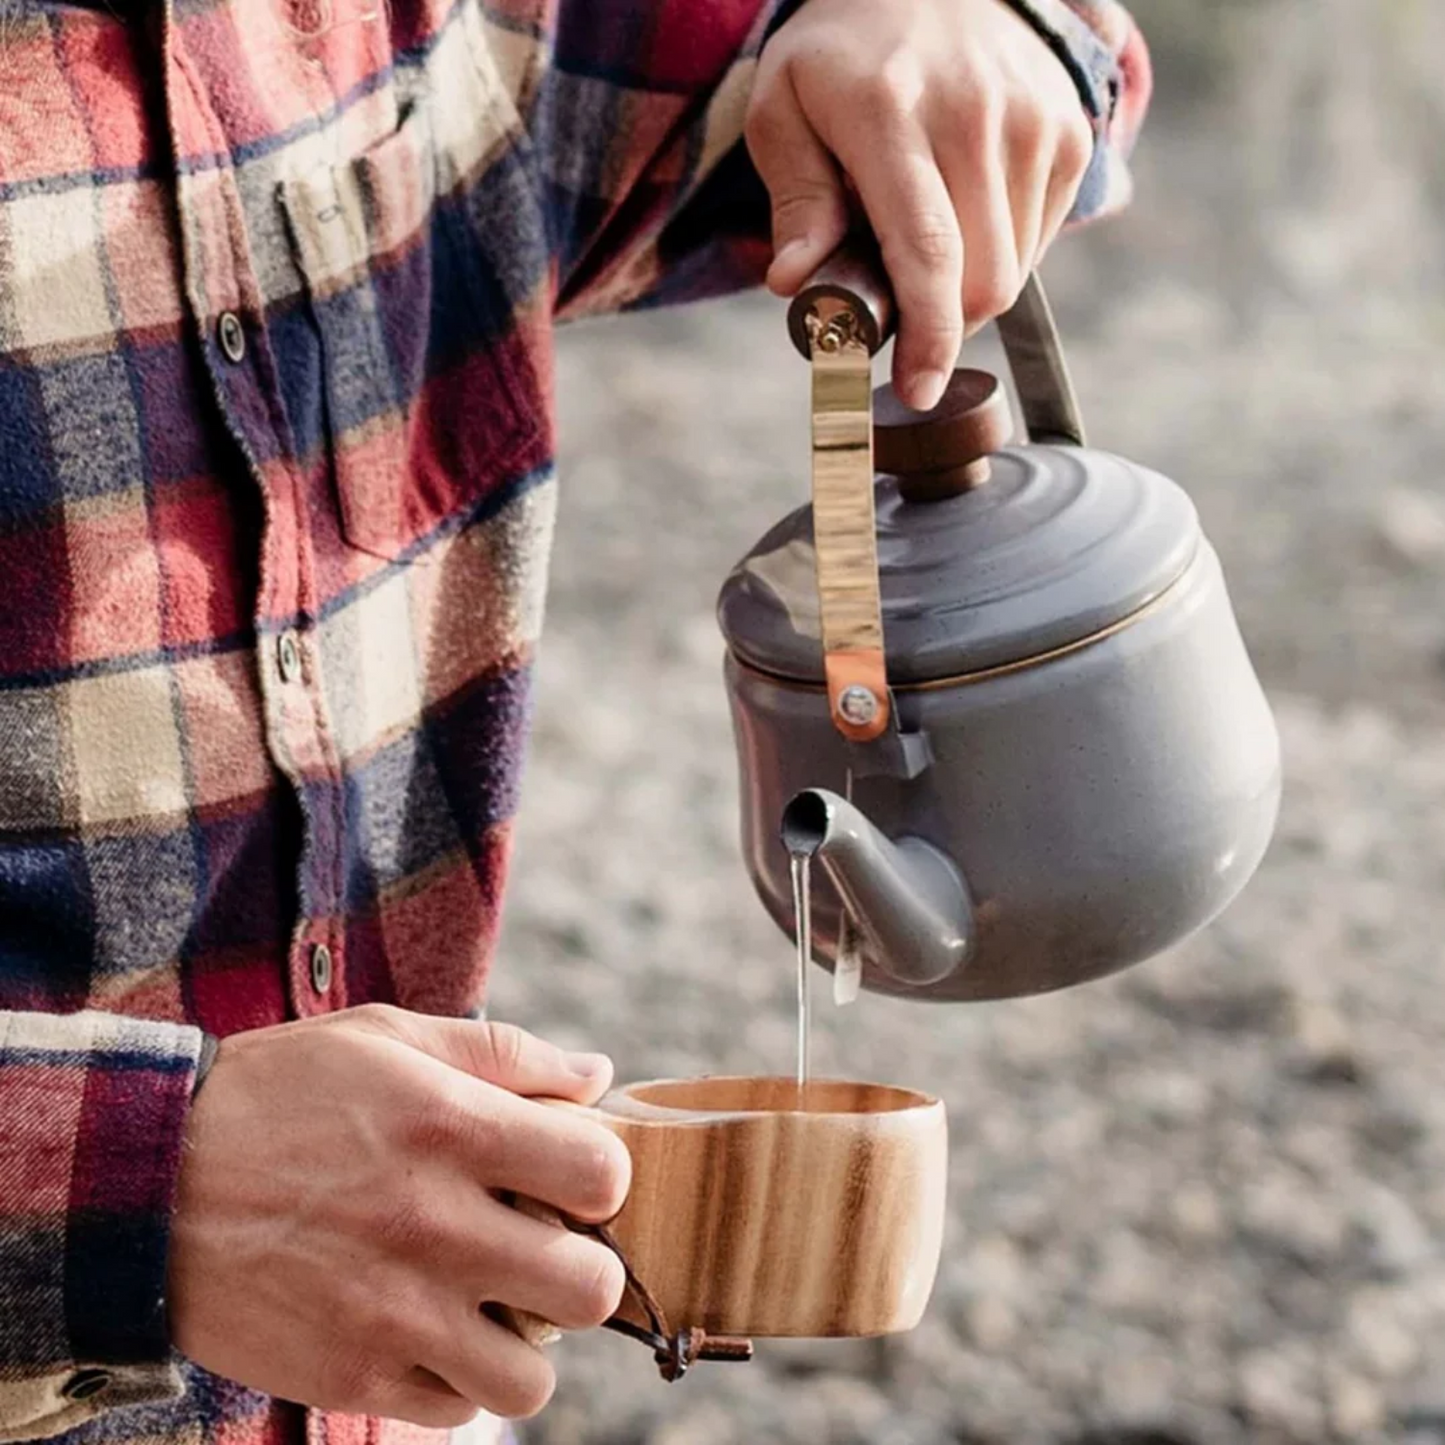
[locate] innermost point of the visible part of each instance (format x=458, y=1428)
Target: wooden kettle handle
x=853, y=277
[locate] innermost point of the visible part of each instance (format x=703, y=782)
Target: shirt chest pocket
x=430, y=371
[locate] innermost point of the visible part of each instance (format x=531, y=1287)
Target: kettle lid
x=986, y=557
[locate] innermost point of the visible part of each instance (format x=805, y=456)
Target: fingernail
x=787, y=257
x=791, y=251
x=588, y=1066
x=928, y=389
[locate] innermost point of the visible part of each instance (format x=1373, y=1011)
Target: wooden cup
x=756, y=1212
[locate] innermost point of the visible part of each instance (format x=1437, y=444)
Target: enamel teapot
x=996, y=694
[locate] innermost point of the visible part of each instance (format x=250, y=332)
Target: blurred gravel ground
x=1203, y=1202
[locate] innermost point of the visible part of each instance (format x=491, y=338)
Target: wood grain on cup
x=749, y=1215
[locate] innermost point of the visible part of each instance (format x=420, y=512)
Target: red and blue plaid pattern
x=278, y=283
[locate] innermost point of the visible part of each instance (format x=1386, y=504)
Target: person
x=279, y=281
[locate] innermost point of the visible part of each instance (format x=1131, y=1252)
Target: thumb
x=504, y=1055
x=810, y=205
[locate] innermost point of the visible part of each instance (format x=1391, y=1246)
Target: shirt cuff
x=95, y=1109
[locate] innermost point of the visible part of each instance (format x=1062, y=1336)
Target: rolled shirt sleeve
x=92, y=1116
x=636, y=117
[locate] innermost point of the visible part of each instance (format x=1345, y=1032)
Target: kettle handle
x=853, y=277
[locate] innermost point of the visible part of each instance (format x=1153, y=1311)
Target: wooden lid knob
x=940, y=453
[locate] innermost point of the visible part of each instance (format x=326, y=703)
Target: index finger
x=911, y=212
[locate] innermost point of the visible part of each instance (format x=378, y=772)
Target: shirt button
x=232, y=336
x=86, y=1384
x=321, y=968
x=288, y=657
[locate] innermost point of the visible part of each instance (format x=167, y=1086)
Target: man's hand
x=335, y=1237
x=963, y=136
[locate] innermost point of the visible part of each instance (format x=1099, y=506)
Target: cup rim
x=641, y=1102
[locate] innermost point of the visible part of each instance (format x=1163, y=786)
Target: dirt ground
x=1203, y=1202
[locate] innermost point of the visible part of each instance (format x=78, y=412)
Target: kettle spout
x=908, y=898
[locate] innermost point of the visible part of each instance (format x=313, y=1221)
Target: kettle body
x=997, y=693
x=1100, y=804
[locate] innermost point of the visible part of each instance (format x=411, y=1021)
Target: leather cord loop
x=675, y=1351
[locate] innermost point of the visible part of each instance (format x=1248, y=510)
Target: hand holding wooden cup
x=759, y=1212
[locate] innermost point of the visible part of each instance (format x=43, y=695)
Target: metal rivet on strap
x=858, y=704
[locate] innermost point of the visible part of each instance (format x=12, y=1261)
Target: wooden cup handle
x=640, y=1316
x=673, y=1353
x=853, y=279
x=533, y=1329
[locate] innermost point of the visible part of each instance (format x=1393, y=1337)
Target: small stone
x=991, y=1323
x=1276, y=1392
x=1411, y=525
x=1326, y=1050
x=1195, y=1213
x=1129, y=1275
x=1284, y=1213
x=1356, y=1407
x=854, y=1405
x=1398, y=1242
x=707, y=1423
x=1382, y=1342
x=1138, y=1387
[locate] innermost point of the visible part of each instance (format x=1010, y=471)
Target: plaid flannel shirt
x=278, y=283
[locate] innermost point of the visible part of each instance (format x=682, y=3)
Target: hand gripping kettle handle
x=853, y=278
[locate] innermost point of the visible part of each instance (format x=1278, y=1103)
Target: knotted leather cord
x=675, y=1351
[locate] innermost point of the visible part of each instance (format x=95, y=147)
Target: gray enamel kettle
x=997, y=693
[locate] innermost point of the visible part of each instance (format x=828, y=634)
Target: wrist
x=1090, y=63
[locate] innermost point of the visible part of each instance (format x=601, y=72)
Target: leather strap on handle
x=845, y=533
x=839, y=320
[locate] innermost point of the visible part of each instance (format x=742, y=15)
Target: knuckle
x=436, y=1412
x=604, y=1175
x=504, y=1046
x=802, y=198
x=762, y=127
x=390, y=1314
x=410, y=1229
x=381, y=1017
x=355, y=1377
x=881, y=96
x=928, y=240
x=525, y=1394
x=976, y=109
x=1029, y=130
x=437, y=1127
x=599, y=1288
x=1076, y=146
x=936, y=344
x=992, y=295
